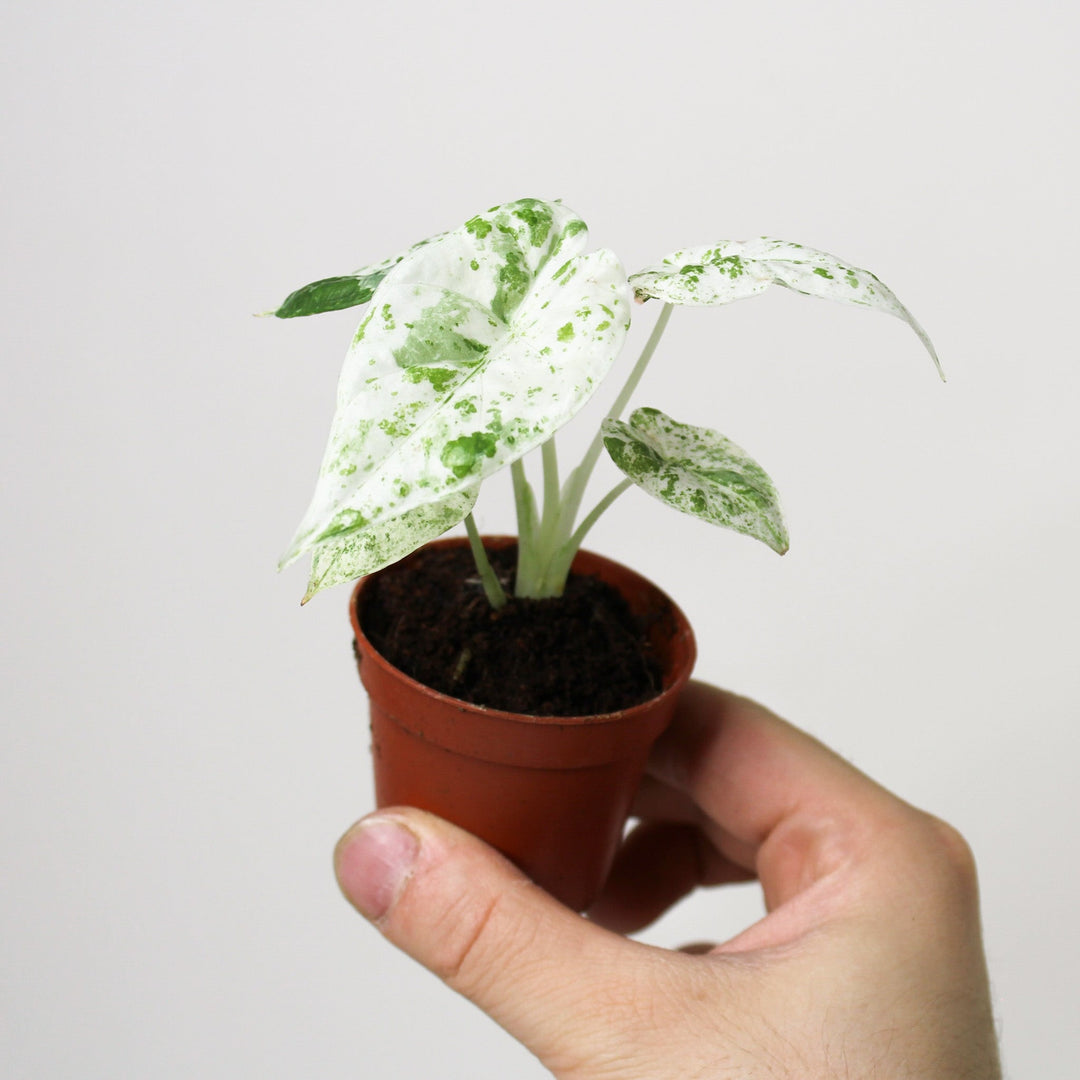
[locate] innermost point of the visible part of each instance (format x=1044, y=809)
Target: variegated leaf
x=344, y=291
x=733, y=270
x=699, y=472
x=476, y=348
x=356, y=552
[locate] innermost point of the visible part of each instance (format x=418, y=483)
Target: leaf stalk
x=559, y=567
x=493, y=589
x=574, y=491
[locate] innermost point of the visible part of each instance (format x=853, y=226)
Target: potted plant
x=477, y=346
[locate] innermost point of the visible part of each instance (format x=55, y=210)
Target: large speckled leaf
x=699, y=472
x=733, y=270
x=476, y=348
x=343, y=291
x=357, y=552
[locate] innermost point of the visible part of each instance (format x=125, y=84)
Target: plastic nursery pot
x=550, y=793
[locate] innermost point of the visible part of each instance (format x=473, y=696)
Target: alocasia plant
x=480, y=343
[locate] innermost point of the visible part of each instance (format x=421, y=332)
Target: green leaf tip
x=329, y=294
x=341, y=291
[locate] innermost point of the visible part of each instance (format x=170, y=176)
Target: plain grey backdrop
x=182, y=745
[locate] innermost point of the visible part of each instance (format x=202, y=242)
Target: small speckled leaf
x=699, y=472
x=357, y=552
x=344, y=291
x=733, y=270
x=477, y=347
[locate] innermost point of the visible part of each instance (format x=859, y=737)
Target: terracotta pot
x=551, y=793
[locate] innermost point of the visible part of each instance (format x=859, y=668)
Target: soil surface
x=576, y=655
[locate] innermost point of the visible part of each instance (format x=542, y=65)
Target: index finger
x=793, y=806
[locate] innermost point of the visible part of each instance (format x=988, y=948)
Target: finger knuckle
x=464, y=925
x=954, y=853
x=940, y=861
x=478, y=940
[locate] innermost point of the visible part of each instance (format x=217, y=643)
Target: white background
x=182, y=745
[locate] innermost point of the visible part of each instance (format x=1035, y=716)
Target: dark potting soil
x=576, y=655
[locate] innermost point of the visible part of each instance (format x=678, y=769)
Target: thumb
x=466, y=913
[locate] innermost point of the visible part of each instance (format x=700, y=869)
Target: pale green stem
x=559, y=568
x=547, y=533
x=550, y=519
x=574, y=491
x=493, y=590
x=525, y=503
x=643, y=362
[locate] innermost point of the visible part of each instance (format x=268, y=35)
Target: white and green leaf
x=476, y=348
x=734, y=270
x=356, y=552
x=343, y=291
x=699, y=472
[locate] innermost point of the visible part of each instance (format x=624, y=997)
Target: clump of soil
x=576, y=655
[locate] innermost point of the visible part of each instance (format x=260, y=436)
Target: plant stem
x=527, y=577
x=530, y=582
x=492, y=589
x=555, y=578
x=643, y=362
x=574, y=491
x=551, y=515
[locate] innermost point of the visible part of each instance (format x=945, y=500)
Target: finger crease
x=482, y=924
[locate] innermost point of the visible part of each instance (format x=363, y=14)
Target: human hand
x=868, y=964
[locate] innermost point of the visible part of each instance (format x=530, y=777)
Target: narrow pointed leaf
x=344, y=291
x=699, y=472
x=356, y=552
x=733, y=270
x=475, y=349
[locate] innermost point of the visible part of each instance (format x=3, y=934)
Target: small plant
x=480, y=344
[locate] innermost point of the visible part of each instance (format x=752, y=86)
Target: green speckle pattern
x=478, y=346
x=478, y=226
x=512, y=281
x=539, y=217
x=699, y=472
x=734, y=270
x=345, y=521
x=465, y=455
x=352, y=554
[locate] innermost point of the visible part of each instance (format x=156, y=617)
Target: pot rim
x=676, y=678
